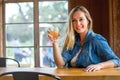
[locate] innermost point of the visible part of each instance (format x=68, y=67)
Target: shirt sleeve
x=66, y=56
x=104, y=51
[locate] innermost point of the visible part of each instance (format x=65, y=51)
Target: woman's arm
x=95, y=67
x=53, y=36
x=104, y=51
x=57, y=56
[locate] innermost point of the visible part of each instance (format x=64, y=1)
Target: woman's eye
x=81, y=19
x=73, y=20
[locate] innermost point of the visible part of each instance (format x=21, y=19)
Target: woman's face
x=80, y=22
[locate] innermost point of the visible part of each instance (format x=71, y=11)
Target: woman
x=83, y=48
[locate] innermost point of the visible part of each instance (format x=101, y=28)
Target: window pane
x=24, y=32
x=46, y=58
x=53, y=11
x=19, y=32
x=23, y=12
x=24, y=55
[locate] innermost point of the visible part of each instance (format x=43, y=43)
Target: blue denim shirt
x=94, y=50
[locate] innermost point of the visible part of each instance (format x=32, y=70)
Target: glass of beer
x=54, y=32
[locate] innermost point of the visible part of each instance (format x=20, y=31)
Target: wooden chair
x=3, y=61
x=29, y=75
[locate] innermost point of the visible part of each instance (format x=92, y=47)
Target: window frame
x=36, y=29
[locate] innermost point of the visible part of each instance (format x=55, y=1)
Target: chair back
x=29, y=75
x=3, y=61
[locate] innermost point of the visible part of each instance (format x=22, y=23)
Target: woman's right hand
x=53, y=35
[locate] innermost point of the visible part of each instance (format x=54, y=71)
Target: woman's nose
x=78, y=23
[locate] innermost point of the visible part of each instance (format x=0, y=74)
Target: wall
x=115, y=26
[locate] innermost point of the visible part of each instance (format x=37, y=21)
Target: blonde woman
x=83, y=48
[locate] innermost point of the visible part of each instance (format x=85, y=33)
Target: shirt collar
x=89, y=35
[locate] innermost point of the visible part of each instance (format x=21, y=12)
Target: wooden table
x=70, y=73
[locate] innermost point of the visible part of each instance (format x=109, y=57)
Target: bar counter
x=69, y=73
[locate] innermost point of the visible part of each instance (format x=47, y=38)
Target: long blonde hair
x=70, y=37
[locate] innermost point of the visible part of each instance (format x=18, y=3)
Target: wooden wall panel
x=118, y=40
x=116, y=25
x=100, y=15
x=73, y=3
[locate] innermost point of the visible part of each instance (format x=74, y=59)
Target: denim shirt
x=95, y=49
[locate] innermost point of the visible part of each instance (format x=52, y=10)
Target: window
x=26, y=26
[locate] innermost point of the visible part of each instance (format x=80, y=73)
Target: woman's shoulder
x=92, y=36
x=98, y=41
x=98, y=37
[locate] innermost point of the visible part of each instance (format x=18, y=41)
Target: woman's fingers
x=53, y=34
x=49, y=30
x=93, y=68
x=50, y=36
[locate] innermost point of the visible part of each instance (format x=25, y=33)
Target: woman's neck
x=82, y=37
